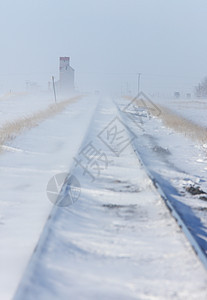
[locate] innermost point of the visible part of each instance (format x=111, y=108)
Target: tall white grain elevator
x=66, y=82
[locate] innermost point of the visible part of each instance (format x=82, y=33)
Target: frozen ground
x=118, y=241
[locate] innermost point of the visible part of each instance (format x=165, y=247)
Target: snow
x=118, y=241
x=26, y=167
x=17, y=106
x=192, y=109
x=176, y=162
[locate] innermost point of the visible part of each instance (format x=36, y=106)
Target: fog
x=108, y=42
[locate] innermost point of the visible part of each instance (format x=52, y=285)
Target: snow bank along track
x=117, y=241
x=11, y=129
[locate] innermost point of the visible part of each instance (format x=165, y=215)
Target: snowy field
x=16, y=106
x=118, y=241
x=192, y=109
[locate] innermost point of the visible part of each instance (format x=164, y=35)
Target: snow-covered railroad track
x=118, y=241
x=176, y=215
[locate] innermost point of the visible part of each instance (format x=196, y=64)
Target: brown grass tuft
x=184, y=126
x=178, y=123
x=11, y=129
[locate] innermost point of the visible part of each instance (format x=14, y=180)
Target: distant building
x=65, y=85
x=177, y=95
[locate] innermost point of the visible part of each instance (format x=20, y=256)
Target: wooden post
x=138, y=84
x=53, y=83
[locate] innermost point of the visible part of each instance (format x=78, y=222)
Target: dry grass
x=178, y=123
x=11, y=129
x=182, y=125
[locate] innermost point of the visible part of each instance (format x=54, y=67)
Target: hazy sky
x=108, y=41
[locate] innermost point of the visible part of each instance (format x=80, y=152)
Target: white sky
x=108, y=41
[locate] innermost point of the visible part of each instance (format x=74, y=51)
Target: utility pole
x=138, y=83
x=53, y=83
